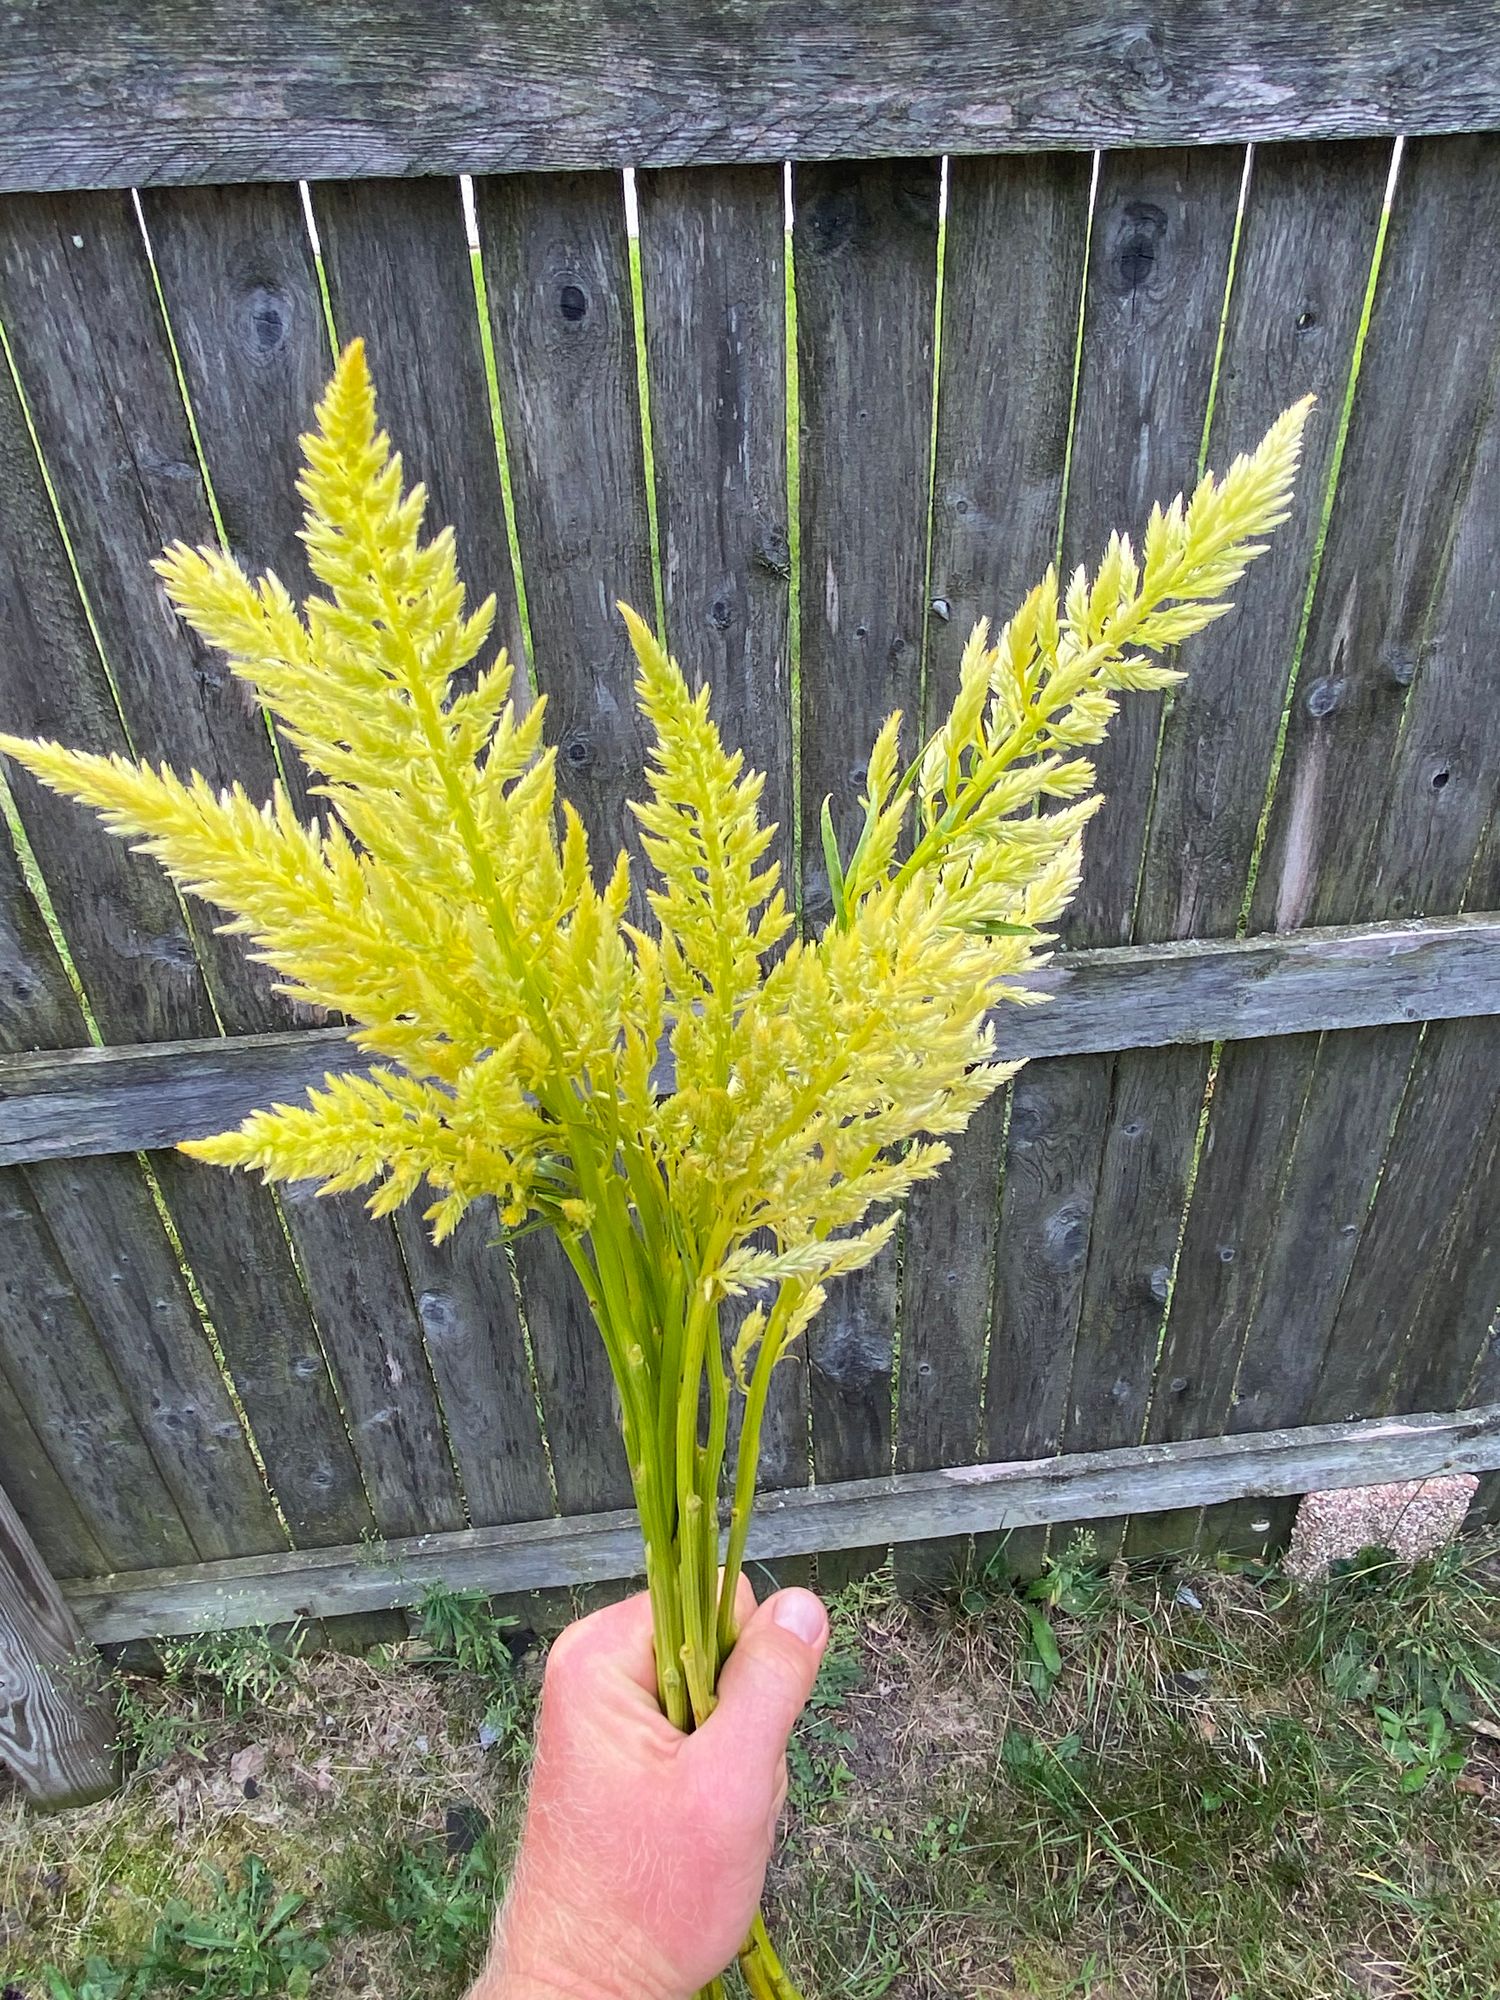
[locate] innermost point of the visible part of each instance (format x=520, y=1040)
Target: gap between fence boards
x=857, y=1513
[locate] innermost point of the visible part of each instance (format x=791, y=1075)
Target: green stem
x=747, y=1462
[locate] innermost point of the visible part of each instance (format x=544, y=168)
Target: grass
x=1190, y=1784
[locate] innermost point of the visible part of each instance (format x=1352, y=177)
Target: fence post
x=56, y=1725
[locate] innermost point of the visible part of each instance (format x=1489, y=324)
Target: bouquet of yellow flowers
x=517, y=1019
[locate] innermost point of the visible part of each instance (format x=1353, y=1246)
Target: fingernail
x=800, y=1612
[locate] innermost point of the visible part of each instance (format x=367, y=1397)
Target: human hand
x=644, y=1850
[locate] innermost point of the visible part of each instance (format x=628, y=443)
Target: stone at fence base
x=1411, y=1517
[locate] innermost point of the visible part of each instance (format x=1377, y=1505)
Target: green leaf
x=831, y=859
x=1046, y=1661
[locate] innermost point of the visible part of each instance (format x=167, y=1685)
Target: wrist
x=539, y=1962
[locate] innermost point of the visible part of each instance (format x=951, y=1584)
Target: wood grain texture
x=400, y=276
x=579, y=1405
x=116, y=96
x=84, y=322
x=1410, y=465
x=1004, y=402
x=557, y=277
x=52, y=1365
x=946, y=1284
x=1413, y=496
x=1306, y=240
x=362, y=1302
x=56, y=1731
x=1158, y=266
x=1154, y=290
x=713, y=281
x=48, y=1510
x=1307, y=236
x=75, y=1102
x=1012, y=276
x=864, y=245
x=130, y=1308
x=1424, y=1286
x=241, y=294
x=466, y=1299
x=851, y=1514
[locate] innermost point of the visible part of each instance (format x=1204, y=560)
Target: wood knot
x=268, y=320
x=1325, y=696
x=572, y=303
x=1141, y=229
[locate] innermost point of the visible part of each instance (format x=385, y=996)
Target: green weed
x=244, y=1943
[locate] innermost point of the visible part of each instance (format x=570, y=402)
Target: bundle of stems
x=516, y=1012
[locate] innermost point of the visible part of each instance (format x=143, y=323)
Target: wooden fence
x=1233, y=1218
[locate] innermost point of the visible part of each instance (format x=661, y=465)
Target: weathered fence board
x=557, y=280
x=1000, y=451
x=51, y=1363
x=1431, y=348
x=1158, y=269
x=1307, y=239
x=713, y=279
x=240, y=291
x=467, y=1302
x=864, y=242
x=115, y=96
x=400, y=277
x=67, y=1543
x=851, y=1514
x=73, y=1102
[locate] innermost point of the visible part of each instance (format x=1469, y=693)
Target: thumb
x=765, y=1683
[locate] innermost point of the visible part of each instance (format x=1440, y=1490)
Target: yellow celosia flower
x=447, y=905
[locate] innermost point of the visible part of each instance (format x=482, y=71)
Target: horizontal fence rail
x=957, y=1500
x=79, y=1103
x=157, y=94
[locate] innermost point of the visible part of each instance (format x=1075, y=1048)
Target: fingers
x=613, y=1644
x=764, y=1686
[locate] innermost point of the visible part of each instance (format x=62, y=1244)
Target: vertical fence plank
x=1004, y=401
x=1307, y=239
x=1158, y=264
x=1407, y=1320
x=557, y=276
x=577, y=1391
x=49, y=1512
x=131, y=1299
x=79, y=310
x=713, y=282
x=467, y=1301
x=1376, y=617
x=51, y=1362
x=56, y=1732
x=241, y=295
x=557, y=279
x=865, y=258
x=713, y=278
x=400, y=275
x=240, y=290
